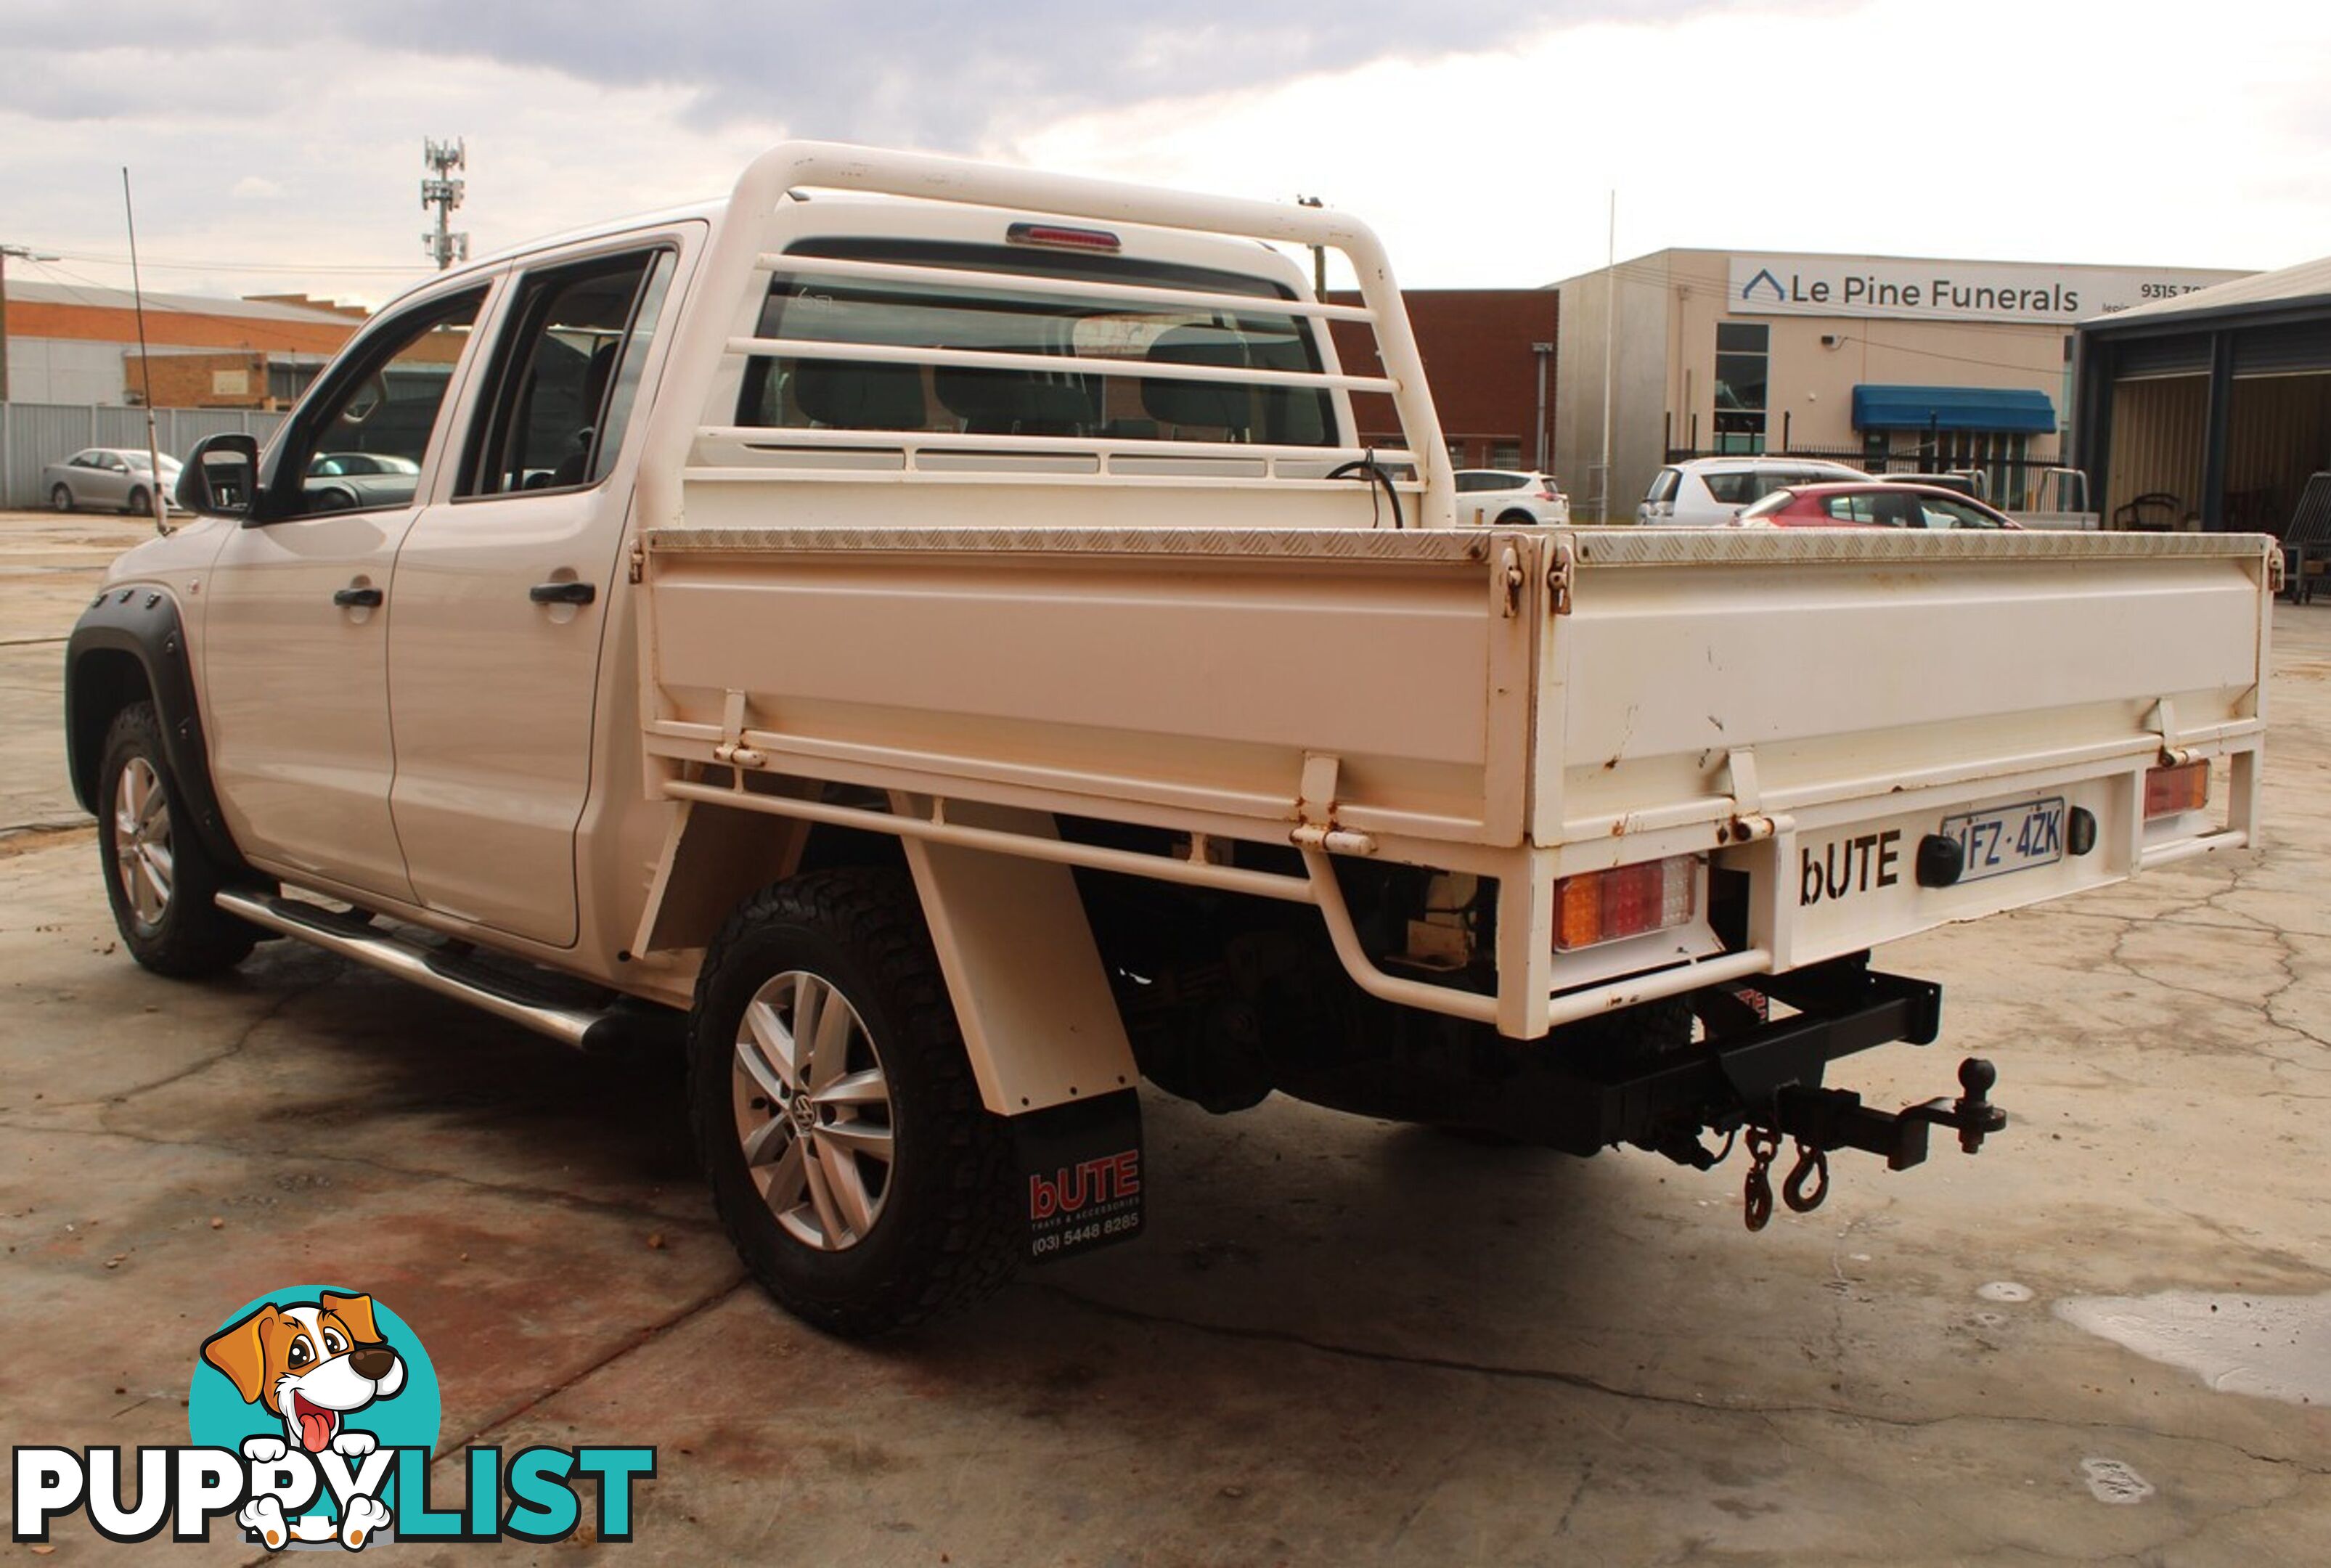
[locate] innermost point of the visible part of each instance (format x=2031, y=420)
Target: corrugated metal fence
x=32, y=434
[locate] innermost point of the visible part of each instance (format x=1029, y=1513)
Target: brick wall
x=232, y=379
x=1475, y=345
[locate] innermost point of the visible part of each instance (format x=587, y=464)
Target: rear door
x=503, y=587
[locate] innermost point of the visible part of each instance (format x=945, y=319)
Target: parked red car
x=1871, y=506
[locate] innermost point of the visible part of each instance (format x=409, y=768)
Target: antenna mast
x=154, y=497
x=442, y=192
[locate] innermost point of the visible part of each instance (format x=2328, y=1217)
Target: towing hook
x=1757, y=1195
x=1812, y=1166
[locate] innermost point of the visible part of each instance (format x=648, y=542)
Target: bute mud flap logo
x=314, y=1417
x=1081, y=1166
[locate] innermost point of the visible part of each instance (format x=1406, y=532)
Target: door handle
x=357, y=598
x=563, y=593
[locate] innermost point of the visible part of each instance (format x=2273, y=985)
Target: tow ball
x=1821, y=1119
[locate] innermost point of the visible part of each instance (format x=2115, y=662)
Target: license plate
x=2009, y=837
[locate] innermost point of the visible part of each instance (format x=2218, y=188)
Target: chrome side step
x=383, y=950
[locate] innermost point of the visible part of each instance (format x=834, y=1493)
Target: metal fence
x=33, y=434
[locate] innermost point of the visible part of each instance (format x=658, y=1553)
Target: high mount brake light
x=2184, y=787
x=1056, y=237
x=1601, y=907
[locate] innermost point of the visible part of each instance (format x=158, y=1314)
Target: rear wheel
x=159, y=880
x=61, y=500
x=835, y=1115
x=1516, y=520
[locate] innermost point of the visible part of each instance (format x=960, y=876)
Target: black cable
x=1377, y=475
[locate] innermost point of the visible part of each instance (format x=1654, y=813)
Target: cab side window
x=360, y=447
x=566, y=374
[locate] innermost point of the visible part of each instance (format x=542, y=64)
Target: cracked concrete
x=1341, y=1341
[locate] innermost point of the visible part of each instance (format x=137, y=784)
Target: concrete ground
x=1341, y=1341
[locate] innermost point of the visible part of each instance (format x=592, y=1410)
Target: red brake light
x=1627, y=901
x=1059, y=238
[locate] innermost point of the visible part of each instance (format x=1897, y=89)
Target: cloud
x=944, y=73
x=254, y=187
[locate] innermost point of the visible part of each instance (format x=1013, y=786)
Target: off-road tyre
x=948, y=1233
x=189, y=936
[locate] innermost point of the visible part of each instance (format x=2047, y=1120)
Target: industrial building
x=1896, y=363
x=78, y=344
x=2209, y=410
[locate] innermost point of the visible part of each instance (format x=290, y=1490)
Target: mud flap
x=1081, y=1163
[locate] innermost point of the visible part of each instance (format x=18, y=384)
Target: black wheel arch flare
x=130, y=644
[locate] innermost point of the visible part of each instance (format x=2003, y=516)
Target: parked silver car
x=106, y=476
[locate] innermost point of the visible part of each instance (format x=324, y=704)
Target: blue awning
x=1998, y=408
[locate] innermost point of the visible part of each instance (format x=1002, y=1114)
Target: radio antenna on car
x=145, y=365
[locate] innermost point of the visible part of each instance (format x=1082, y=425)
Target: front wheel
x=141, y=503
x=835, y=1115
x=159, y=880
x=61, y=500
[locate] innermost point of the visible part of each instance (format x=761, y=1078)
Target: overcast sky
x=277, y=149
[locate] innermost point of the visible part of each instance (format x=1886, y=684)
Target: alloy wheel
x=141, y=840
x=812, y=1111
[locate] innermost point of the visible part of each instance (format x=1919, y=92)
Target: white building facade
x=1899, y=364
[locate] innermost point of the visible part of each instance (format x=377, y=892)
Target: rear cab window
x=807, y=391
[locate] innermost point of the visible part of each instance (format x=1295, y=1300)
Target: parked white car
x=1708, y=492
x=1506, y=498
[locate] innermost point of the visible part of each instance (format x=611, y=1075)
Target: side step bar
x=584, y=1029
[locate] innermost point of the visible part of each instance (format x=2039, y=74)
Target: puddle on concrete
x=2272, y=1347
x=2111, y=1481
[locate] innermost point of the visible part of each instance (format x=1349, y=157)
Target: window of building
x=1742, y=360
x=1505, y=454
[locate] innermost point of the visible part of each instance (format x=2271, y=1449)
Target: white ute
x=925, y=641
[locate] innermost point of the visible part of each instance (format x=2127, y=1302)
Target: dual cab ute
x=927, y=641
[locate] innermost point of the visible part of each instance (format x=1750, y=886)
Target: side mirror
x=221, y=477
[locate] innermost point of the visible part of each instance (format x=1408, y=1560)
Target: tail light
x=2185, y=787
x=1627, y=901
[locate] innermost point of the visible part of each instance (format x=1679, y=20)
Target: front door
x=502, y=594
x=297, y=609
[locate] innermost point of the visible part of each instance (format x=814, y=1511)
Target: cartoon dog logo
x=311, y=1364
